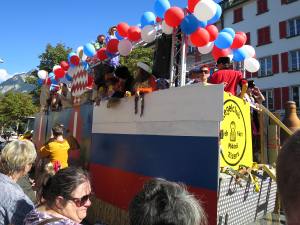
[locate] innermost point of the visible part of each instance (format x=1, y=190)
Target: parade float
x=197, y=134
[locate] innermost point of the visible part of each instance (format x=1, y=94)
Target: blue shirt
x=14, y=204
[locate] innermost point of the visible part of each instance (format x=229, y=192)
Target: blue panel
x=191, y=160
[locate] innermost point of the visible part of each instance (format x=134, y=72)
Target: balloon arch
x=197, y=21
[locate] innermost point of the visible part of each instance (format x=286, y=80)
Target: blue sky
x=27, y=26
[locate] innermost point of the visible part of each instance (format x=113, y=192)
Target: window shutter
x=248, y=42
x=255, y=74
x=283, y=2
x=267, y=35
x=275, y=64
x=282, y=29
x=285, y=62
x=259, y=36
x=285, y=95
x=277, y=98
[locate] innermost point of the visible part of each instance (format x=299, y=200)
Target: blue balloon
x=40, y=82
x=89, y=50
x=51, y=75
x=202, y=24
x=118, y=36
x=160, y=7
x=217, y=1
x=189, y=24
x=229, y=31
x=239, y=54
x=148, y=18
x=224, y=40
x=216, y=16
x=68, y=77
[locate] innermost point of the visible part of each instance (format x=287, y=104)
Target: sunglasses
x=203, y=71
x=81, y=201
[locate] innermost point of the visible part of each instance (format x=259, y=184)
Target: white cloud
x=4, y=75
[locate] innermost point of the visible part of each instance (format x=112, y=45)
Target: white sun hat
x=144, y=66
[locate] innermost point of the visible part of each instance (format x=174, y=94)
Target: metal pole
x=172, y=80
x=183, y=59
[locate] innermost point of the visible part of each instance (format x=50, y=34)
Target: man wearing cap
x=231, y=78
x=199, y=75
x=145, y=82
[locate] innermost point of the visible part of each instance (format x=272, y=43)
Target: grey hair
x=16, y=155
x=162, y=202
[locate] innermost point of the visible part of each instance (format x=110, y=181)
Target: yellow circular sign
x=233, y=133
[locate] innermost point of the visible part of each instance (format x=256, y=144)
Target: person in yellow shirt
x=56, y=149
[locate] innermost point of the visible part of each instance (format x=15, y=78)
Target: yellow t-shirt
x=56, y=151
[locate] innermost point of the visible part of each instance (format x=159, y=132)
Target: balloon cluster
x=197, y=22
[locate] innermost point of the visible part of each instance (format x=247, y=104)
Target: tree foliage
x=53, y=56
x=14, y=107
x=139, y=54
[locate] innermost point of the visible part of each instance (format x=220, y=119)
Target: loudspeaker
x=162, y=57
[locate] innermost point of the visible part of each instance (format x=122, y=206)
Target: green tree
x=14, y=107
x=139, y=54
x=53, y=56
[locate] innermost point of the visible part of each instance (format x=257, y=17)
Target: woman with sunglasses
x=65, y=199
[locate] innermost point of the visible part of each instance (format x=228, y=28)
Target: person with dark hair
x=56, y=149
x=162, y=202
x=100, y=42
x=65, y=199
x=199, y=75
x=288, y=178
x=16, y=160
x=125, y=78
x=226, y=75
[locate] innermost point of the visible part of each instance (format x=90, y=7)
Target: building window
x=295, y=95
x=237, y=15
x=248, y=42
x=265, y=66
x=263, y=36
x=262, y=6
x=293, y=27
x=269, y=103
x=288, y=1
x=294, y=60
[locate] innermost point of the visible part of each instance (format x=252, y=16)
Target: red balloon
x=238, y=41
x=112, y=46
x=174, y=16
x=217, y=52
x=101, y=54
x=90, y=82
x=158, y=19
x=242, y=33
x=75, y=60
x=192, y=4
x=122, y=29
x=200, y=37
x=213, y=32
x=134, y=33
x=59, y=73
x=65, y=65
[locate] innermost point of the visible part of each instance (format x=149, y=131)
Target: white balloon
x=42, y=74
x=250, y=51
x=251, y=65
x=166, y=28
x=148, y=33
x=125, y=47
x=79, y=51
x=205, y=10
x=56, y=67
x=206, y=48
